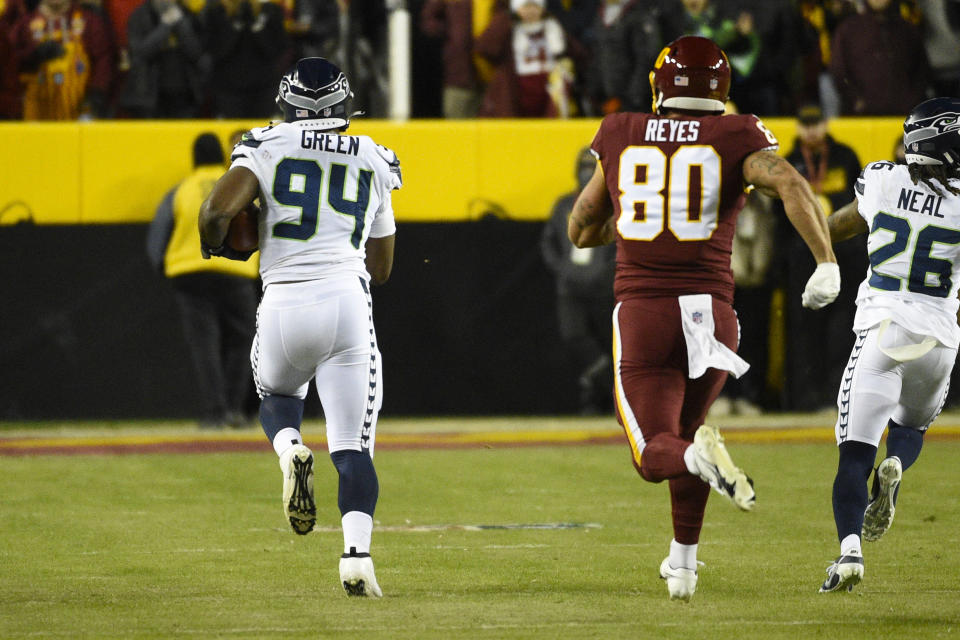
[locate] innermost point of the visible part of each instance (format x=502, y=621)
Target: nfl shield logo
x=697, y=317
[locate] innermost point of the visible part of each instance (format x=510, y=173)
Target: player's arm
x=846, y=222
x=591, y=222
x=379, y=258
x=776, y=177
x=237, y=188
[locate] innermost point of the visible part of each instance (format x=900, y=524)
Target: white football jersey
x=322, y=195
x=914, y=248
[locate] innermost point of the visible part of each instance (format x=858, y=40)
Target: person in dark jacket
x=584, y=279
x=464, y=74
x=628, y=38
x=879, y=64
x=166, y=62
x=216, y=299
x=818, y=343
x=246, y=40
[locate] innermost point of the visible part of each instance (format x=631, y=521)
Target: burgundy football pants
x=659, y=407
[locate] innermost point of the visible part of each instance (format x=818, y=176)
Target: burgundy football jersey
x=677, y=187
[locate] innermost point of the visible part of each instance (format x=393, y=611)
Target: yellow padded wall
x=117, y=171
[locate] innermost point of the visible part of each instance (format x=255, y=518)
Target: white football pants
x=323, y=329
x=877, y=387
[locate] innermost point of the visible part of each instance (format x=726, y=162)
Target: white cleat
x=356, y=575
x=717, y=469
x=681, y=583
x=298, y=505
x=844, y=573
x=878, y=515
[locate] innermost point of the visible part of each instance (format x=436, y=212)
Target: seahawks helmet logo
x=946, y=122
x=295, y=93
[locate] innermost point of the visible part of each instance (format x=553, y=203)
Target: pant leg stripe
x=374, y=364
x=255, y=358
x=843, y=398
x=627, y=419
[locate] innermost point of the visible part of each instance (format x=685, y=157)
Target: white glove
x=823, y=287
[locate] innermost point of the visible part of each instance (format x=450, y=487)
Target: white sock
x=683, y=556
x=850, y=544
x=285, y=439
x=357, y=529
x=690, y=459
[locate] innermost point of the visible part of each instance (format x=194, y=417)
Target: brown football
x=244, y=231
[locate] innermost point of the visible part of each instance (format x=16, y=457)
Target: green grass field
x=166, y=545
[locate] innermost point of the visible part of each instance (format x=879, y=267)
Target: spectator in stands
x=735, y=33
x=879, y=64
x=819, y=343
x=313, y=27
x=941, y=39
x=10, y=13
x=579, y=20
x=11, y=98
x=167, y=65
x=533, y=59
x=628, y=39
x=584, y=280
x=118, y=13
x=769, y=88
x=364, y=55
x=246, y=43
x=577, y=17
x=464, y=73
x=9, y=81
x=216, y=298
x=65, y=53
x=820, y=19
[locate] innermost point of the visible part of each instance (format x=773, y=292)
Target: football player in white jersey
x=906, y=324
x=326, y=233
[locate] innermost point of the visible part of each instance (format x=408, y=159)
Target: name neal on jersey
x=332, y=142
x=917, y=202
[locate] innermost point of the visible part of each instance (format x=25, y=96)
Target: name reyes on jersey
x=671, y=130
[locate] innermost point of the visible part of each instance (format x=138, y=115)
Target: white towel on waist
x=703, y=349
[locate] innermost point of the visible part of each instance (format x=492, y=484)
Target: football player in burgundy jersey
x=667, y=188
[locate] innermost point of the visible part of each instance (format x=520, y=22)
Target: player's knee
x=905, y=443
x=902, y=432
x=280, y=412
x=856, y=460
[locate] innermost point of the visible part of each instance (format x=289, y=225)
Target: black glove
x=224, y=251
x=43, y=52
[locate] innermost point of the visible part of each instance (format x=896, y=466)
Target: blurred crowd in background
x=84, y=59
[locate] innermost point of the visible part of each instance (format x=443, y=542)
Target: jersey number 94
x=299, y=183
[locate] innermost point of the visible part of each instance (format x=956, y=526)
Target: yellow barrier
x=117, y=172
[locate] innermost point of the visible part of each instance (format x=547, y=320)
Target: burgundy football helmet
x=691, y=73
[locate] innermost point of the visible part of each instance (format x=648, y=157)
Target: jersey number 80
x=680, y=194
